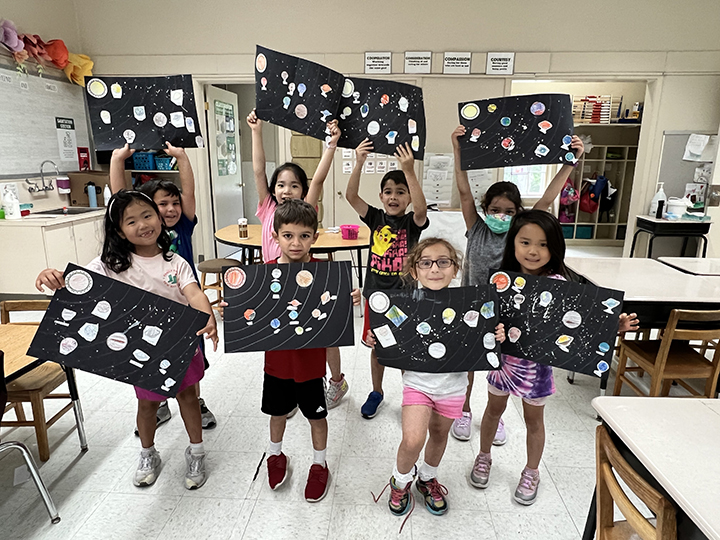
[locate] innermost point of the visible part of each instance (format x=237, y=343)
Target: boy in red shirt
x=296, y=378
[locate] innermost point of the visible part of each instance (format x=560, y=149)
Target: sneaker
x=434, y=493
x=195, y=475
x=293, y=412
x=148, y=469
x=461, y=427
x=336, y=391
x=208, y=418
x=500, y=434
x=527, y=489
x=277, y=470
x=399, y=501
x=163, y=415
x=318, y=483
x=372, y=405
x=480, y=473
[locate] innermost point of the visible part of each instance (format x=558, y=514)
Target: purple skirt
x=193, y=375
x=523, y=378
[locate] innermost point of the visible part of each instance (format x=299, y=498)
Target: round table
x=327, y=242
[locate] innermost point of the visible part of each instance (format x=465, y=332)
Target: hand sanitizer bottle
x=659, y=196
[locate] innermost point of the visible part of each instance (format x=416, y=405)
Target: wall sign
x=418, y=62
x=457, y=63
x=500, y=63
x=67, y=140
x=378, y=62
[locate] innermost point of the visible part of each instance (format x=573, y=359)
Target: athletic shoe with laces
x=163, y=415
x=526, y=492
x=434, y=493
x=480, y=473
x=148, y=468
x=500, y=434
x=461, y=427
x=277, y=470
x=195, y=475
x=336, y=390
x=372, y=404
x=208, y=418
x=318, y=483
x=400, y=499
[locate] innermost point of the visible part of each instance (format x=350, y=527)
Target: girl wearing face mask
x=486, y=235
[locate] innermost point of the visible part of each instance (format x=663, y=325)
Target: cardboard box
x=78, y=181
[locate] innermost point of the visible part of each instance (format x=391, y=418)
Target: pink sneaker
x=461, y=427
x=480, y=474
x=500, y=434
x=526, y=492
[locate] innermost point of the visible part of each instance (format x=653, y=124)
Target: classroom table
x=15, y=340
x=327, y=242
x=675, y=441
x=693, y=265
x=656, y=227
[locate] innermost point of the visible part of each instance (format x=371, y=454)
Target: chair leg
x=30, y=462
x=657, y=384
x=667, y=383
x=622, y=362
x=218, y=282
x=203, y=275
x=20, y=412
x=38, y=411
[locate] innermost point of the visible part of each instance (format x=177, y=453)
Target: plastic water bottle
x=92, y=194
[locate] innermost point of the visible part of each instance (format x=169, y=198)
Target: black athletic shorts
x=280, y=396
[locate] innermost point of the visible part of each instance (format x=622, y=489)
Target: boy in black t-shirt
x=393, y=234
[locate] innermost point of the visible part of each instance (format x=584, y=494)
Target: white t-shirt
x=442, y=385
x=153, y=274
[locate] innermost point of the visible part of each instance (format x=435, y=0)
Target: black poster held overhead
x=303, y=96
x=516, y=130
x=450, y=330
x=143, y=112
x=275, y=307
x=103, y=326
x=559, y=323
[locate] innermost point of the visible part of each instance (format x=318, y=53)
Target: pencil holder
x=349, y=232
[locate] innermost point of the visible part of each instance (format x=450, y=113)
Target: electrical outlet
x=10, y=186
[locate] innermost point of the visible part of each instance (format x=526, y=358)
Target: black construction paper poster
x=143, y=111
x=275, y=307
x=508, y=131
x=558, y=323
x=106, y=327
x=303, y=96
x=450, y=330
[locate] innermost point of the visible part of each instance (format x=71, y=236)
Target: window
x=531, y=180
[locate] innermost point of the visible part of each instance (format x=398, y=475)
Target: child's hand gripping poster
x=451, y=330
x=274, y=307
x=103, y=326
x=303, y=96
x=559, y=323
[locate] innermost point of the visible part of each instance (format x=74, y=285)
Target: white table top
x=678, y=441
x=694, y=265
x=684, y=221
x=646, y=280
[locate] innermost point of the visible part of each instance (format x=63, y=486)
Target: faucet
x=45, y=187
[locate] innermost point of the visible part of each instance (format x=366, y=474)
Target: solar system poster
x=559, y=323
x=275, y=307
x=516, y=130
x=106, y=327
x=303, y=96
x=450, y=330
x=143, y=112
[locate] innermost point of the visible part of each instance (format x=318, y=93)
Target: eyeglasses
x=426, y=264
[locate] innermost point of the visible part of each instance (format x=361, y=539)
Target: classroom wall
x=49, y=19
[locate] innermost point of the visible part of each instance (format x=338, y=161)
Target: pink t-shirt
x=266, y=213
x=153, y=274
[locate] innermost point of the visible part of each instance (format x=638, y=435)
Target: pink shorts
x=536, y=402
x=193, y=375
x=449, y=407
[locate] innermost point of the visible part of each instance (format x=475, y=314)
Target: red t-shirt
x=299, y=365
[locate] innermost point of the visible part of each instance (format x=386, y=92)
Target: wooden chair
x=672, y=358
x=34, y=387
x=609, y=491
x=214, y=266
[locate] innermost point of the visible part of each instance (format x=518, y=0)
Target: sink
x=70, y=211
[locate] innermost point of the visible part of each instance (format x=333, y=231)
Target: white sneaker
x=195, y=476
x=336, y=391
x=148, y=468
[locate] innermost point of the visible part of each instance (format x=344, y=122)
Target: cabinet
x=613, y=155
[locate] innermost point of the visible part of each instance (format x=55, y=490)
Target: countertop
x=43, y=220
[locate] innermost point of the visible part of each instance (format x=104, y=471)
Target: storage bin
x=349, y=232
x=144, y=161
x=568, y=231
x=584, y=231
x=163, y=163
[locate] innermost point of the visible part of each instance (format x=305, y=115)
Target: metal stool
x=214, y=266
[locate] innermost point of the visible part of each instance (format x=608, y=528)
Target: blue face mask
x=498, y=223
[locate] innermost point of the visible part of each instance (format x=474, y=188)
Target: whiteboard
x=29, y=106
x=675, y=172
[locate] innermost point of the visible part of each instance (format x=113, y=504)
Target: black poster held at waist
x=508, y=131
x=558, y=323
x=450, y=330
x=275, y=307
x=103, y=326
x=303, y=96
x=143, y=111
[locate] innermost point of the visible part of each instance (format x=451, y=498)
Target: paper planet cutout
x=384, y=100
x=348, y=88
x=97, y=88
x=235, y=278
x=489, y=340
x=260, y=62
x=505, y=121
x=471, y=318
x=105, y=116
x=379, y=302
x=518, y=299
x=164, y=364
x=373, y=128
x=301, y=111
x=544, y=126
x=275, y=287
x=567, y=139
x=572, y=319
x=364, y=110
x=304, y=278
x=569, y=156
x=545, y=298
x=275, y=324
x=488, y=309
x=68, y=314
x=299, y=330
x=537, y=108
x=493, y=359
x=448, y=315
x=116, y=90
x=129, y=135
x=492, y=108
x=514, y=334
x=89, y=331
x=403, y=104
x=276, y=273
x=316, y=313
x=564, y=341
x=501, y=281
x=519, y=283
x=263, y=82
x=68, y=345
x=102, y=309
x=603, y=348
x=603, y=366
x=412, y=126
x=437, y=350
x=470, y=111
x=542, y=150
x=423, y=328
x=117, y=341
x=78, y=282
x=249, y=314
x=475, y=135
x=286, y=102
x=293, y=315
x=324, y=89
x=160, y=120
x=415, y=143
x=507, y=143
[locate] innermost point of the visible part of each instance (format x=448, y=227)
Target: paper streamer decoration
x=288, y=306
x=142, y=111
x=559, y=323
x=516, y=130
x=106, y=327
x=450, y=330
x=303, y=96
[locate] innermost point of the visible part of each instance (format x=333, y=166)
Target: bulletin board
x=674, y=172
x=29, y=107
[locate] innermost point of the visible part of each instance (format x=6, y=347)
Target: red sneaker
x=277, y=470
x=318, y=483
